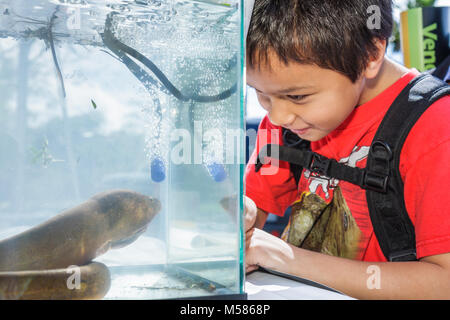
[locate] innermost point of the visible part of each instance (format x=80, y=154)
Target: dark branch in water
x=52, y=47
x=45, y=33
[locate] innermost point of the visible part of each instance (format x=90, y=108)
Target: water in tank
x=121, y=149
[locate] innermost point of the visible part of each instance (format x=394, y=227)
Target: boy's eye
x=296, y=97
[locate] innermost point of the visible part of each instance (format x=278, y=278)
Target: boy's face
x=308, y=100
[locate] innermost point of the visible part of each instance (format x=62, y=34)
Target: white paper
x=266, y=286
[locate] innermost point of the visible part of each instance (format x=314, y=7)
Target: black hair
x=334, y=34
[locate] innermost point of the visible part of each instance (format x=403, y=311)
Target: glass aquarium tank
x=121, y=149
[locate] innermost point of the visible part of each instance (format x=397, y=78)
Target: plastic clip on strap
x=377, y=178
x=307, y=159
x=319, y=164
x=313, y=162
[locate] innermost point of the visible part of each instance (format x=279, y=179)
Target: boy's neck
x=389, y=73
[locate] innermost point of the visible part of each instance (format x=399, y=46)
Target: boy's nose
x=280, y=115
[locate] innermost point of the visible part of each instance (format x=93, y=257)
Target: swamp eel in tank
x=56, y=284
x=75, y=237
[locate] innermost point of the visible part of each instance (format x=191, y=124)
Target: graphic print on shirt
x=326, y=226
x=316, y=180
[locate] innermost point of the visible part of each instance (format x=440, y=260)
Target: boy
x=320, y=71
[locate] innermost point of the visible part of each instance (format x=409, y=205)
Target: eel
x=75, y=237
x=57, y=284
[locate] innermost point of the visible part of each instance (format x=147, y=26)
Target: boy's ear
x=375, y=63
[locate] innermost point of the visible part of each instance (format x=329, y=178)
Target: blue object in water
x=158, y=170
x=217, y=171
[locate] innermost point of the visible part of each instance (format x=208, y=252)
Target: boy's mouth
x=300, y=131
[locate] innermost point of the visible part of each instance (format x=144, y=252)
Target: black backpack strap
x=316, y=163
x=292, y=140
x=391, y=223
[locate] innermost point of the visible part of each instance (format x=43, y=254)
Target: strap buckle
x=319, y=164
x=375, y=182
x=381, y=151
x=377, y=178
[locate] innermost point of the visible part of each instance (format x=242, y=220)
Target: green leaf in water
x=94, y=104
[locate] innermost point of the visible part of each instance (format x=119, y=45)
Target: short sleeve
x=426, y=167
x=272, y=188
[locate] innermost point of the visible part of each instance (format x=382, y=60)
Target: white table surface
x=266, y=286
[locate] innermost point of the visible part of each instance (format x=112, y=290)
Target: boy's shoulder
x=430, y=132
x=415, y=104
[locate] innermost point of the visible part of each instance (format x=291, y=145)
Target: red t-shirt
x=424, y=167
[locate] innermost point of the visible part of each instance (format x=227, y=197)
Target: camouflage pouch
x=323, y=227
